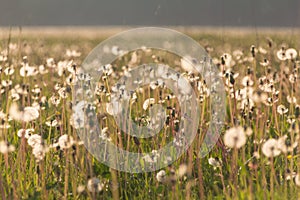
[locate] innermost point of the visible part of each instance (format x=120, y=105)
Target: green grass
x=61, y=171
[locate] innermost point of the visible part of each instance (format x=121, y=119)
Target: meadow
x=256, y=156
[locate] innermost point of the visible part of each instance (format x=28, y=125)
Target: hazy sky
x=151, y=12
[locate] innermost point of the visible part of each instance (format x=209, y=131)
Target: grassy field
x=256, y=157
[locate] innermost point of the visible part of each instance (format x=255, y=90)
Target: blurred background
x=236, y=13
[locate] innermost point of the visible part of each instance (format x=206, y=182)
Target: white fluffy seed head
x=161, y=176
x=270, y=148
x=94, y=185
x=235, y=137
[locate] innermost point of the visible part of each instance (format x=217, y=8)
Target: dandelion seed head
x=148, y=102
x=281, y=109
x=161, y=176
x=182, y=170
x=51, y=123
x=39, y=151
x=214, y=162
x=6, y=147
x=27, y=115
x=26, y=71
x=285, y=144
x=80, y=189
x=72, y=53
x=26, y=132
x=9, y=71
x=65, y=141
x=281, y=55
x=94, y=185
x=291, y=53
x=188, y=64
x=270, y=148
x=235, y=137
x=34, y=140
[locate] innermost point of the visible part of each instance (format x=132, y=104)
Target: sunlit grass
x=41, y=156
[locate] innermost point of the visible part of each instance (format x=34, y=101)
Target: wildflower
x=247, y=81
x=72, y=68
x=51, y=123
x=6, y=83
x=230, y=77
x=244, y=93
x=281, y=109
x=179, y=141
x=50, y=63
x=115, y=50
x=237, y=54
x=134, y=58
x=28, y=114
x=36, y=90
x=28, y=71
x=42, y=70
x=248, y=131
x=226, y=60
x=153, y=158
x=133, y=98
x=262, y=50
x=9, y=71
x=270, y=148
x=182, y=170
x=3, y=58
x=6, y=147
x=290, y=175
x=291, y=53
x=214, y=162
x=265, y=63
x=156, y=84
x=39, y=151
x=256, y=155
x=14, y=95
x=281, y=55
x=183, y=85
x=148, y=102
x=24, y=89
x=62, y=66
x=65, y=141
x=55, y=100
x=235, y=137
x=34, y=140
x=246, y=104
x=36, y=105
x=188, y=63
x=77, y=120
x=291, y=99
x=285, y=144
x=80, y=188
x=94, y=185
x=2, y=114
x=26, y=132
x=270, y=42
x=291, y=120
x=63, y=93
x=106, y=69
x=253, y=50
x=161, y=176
x=293, y=78
x=72, y=53
x=4, y=124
